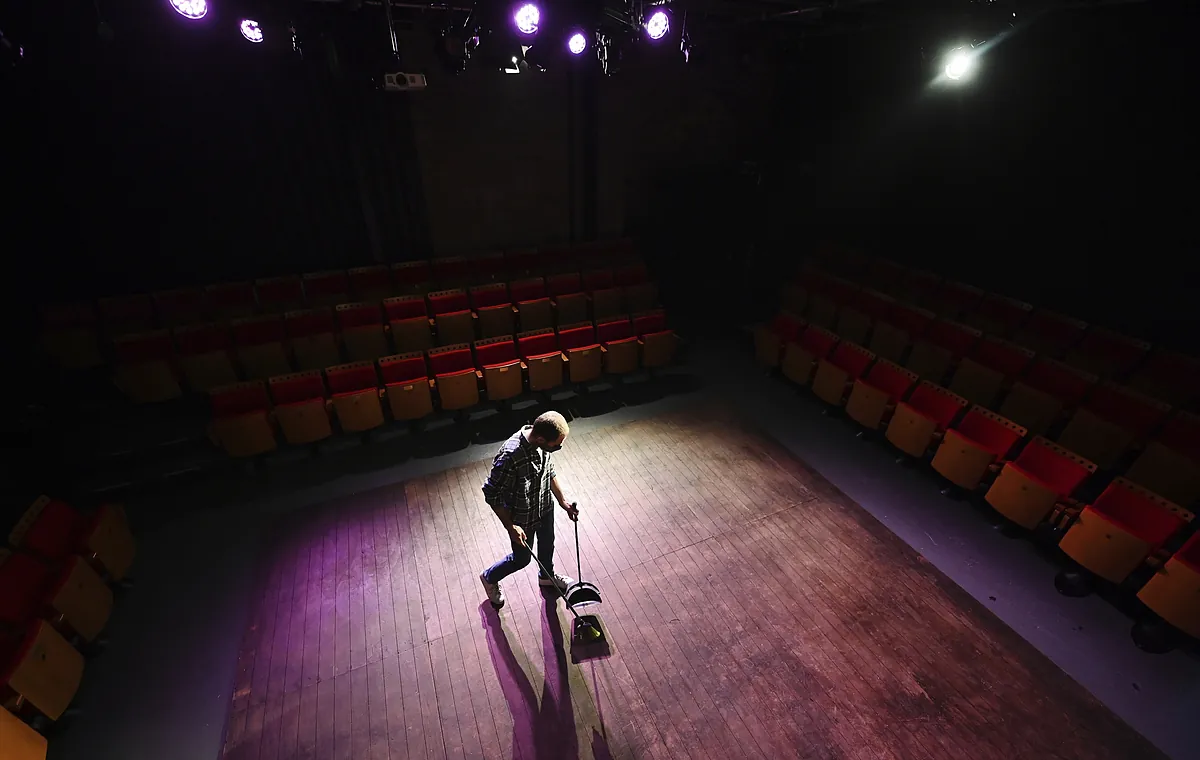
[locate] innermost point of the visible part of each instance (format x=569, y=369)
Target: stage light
x=658, y=25
x=577, y=44
x=527, y=18
x=192, y=9
x=959, y=64
x=251, y=30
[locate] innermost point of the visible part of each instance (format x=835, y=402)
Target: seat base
x=1095, y=439
x=245, y=435
x=84, y=600
x=360, y=411
x=583, y=364
x=503, y=382
x=798, y=365
x=910, y=431
x=829, y=384
x=1021, y=499
x=207, y=371
x=364, y=344
x=1103, y=548
x=768, y=349
x=1172, y=594
x=545, y=372
x=410, y=401
x=961, y=461
x=147, y=382
x=304, y=422
x=48, y=675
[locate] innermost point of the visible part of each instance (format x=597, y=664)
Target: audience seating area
x=298, y=358
x=1076, y=433
x=57, y=576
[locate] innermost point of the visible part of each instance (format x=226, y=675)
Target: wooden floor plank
x=753, y=611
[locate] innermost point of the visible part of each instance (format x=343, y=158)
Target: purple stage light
x=527, y=17
x=192, y=9
x=251, y=30
x=577, y=44
x=658, y=25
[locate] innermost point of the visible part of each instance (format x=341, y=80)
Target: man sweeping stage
x=518, y=490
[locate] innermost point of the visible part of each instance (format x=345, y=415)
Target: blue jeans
x=542, y=537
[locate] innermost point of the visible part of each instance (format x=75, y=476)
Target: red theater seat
x=206, y=356
x=127, y=314
x=618, y=345
x=800, y=356
x=874, y=396
x=280, y=293
x=55, y=531
x=940, y=347
x=771, y=338
x=597, y=279
x=357, y=398
x=540, y=352
x=455, y=376
x=1170, y=464
x=326, y=288
x=145, y=367
x=521, y=262
x=452, y=316
x=311, y=334
x=70, y=594
x=361, y=328
x=1171, y=593
x=999, y=315
x=583, y=355
x=1038, y=399
x=1107, y=353
x=970, y=448
x=836, y=373
x=407, y=385
x=411, y=277
x=259, y=343
x=1169, y=376
x=496, y=359
x=894, y=333
x=409, y=322
x=184, y=306
x=1112, y=420
x=657, y=341
x=629, y=274
x=1050, y=334
x=300, y=407
x=919, y=287
x=570, y=302
x=371, y=284
x=854, y=321
x=495, y=310
x=534, y=309
x=40, y=668
x=923, y=418
x=1028, y=488
x=485, y=269
x=450, y=271
x=991, y=365
x=232, y=300
x=242, y=423
x=954, y=299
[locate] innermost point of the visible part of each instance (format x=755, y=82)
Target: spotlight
x=527, y=18
x=251, y=30
x=193, y=9
x=959, y=64
x=658, y=25
x=577, y=44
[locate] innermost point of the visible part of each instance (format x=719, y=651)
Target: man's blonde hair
x=551, y=426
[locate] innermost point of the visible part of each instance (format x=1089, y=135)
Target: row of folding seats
x=360, y=396
x=150, y=366
x=56, y=578
x=1097, y=422
x=75, y=334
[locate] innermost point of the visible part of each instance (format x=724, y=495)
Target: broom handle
x=578, y=564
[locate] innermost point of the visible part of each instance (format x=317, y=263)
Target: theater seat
x=407, y=385
x=495, y=310
x=326, y=289
x=972, y=446
x=455, y=376
x=300, y=407
x=127, y=314
x=1171, y=593
x=1106, y=353
x=1121, y=529
x=411, y=277
x=543, y=359
x=182, y=306
x=1049, y=388
x=69, y=594
x=55, y=531
x=894, y=333
x=311, y=335
x=206, y=356
x=954, y=299
x=991, y=364
x=521, y=262
x=535, y=311
x=485, y=269
x=241, y=422
x=452, y=316
x=883, y=274
x=919, y=287
x=497, y=359
x=923, y=418
x=607, y=302
x=259, y=343
x=800, y=356
x=855, y=320
x=641, y=297
x=583, y=355
x=145, y=367
x=1169, y=376
x=41, y=667
x=597, y=279
x=1112, y=420
x=1028, y=488
x=656, y=340
x=939, y=348
x=409, y=323
x=837, y=373
x=361, y=328
x=874, y=397
x=231, y=300
x=371, y=284
x=1170, y=464
x=771, y=338
x=629, y=274
x=618, y=345
x=357, y=398
x=1050, y=334
x=450, y=272
x=570, y=302
x=279, y=294
x=70, y=336
x=793, y=298
x=999, y=315
x=18, y=738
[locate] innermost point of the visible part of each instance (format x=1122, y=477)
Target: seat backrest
x=495, y=294
x=817, y=341
x=597, y=279
x=495, y=351
x=1127, y=408
x=891, y=378
x=959, y=296
x=448, y=301
x=576, y=336
x=938, y=403
x=410, y=273
x=537, y=343
x=529, y=289
x=1151, y=517
x=1122, y=351
x=1006, y=358
x=287, y=290
x=787, y=326
x=839, y=290
x=854, y=359
x=181, y=306
x=255, y=331
x=1189, y=553
x=630, y=274
x=297, y=386
x=485, y=267
x=1063, y=470
x=614, y=329
x=23, y=580
x=453, y=358
x=230, y=295
x=520, y=261
x=352, y=377
x=239, y=398
x=403, y=368
x=956, y=338
x=202, y=339
x=351, y=315
x=144, y=347
x=405, y=307
x=873, y=303
x=562, y=284
x=372, y=279
x=1172, y=368
x=308, y=322
x=910, y=319
x=448, y=269
x=920, y=283
x=1182, y=433
x=1058, y=329
x=326, y=284
x=1008, y=311
x=1062, y=381
x=997, y=434
x=648, y=322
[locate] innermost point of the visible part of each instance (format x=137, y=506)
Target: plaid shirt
x=520, y=480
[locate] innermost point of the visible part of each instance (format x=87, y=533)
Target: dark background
x=1062, y=174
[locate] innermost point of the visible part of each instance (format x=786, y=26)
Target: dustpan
x=580, y=593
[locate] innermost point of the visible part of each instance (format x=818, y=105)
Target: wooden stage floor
x=754, y=612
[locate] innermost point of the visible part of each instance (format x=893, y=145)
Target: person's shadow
x=544, y=731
